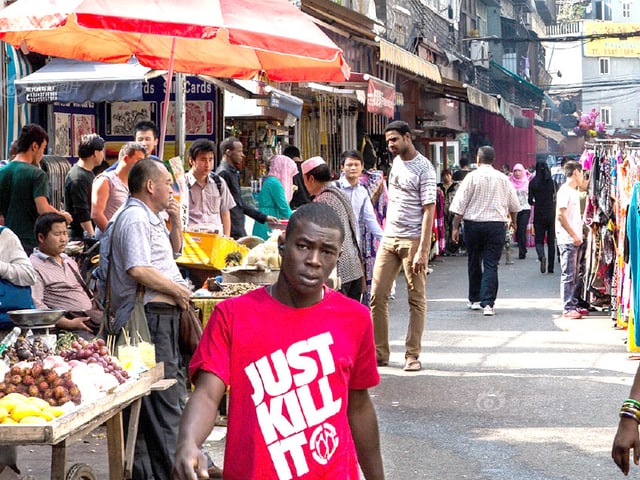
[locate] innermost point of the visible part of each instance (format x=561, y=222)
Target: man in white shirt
x=210, y=201
x=486, y=201
x=569, y=236
x=352, y=166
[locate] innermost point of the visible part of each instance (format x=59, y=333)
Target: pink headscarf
x=521, y=183
x=284, y=169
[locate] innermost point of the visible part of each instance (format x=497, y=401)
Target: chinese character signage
x=615, y=43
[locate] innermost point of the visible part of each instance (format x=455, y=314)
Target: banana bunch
x=15, y=409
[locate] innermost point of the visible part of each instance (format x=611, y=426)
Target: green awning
x=536, y=90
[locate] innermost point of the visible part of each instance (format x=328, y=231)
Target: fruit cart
x=87, y=417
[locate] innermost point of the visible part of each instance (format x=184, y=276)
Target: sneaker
x=474, y=305
x=488, y=311
x=543, y=264
x=572, y=314
x=582, y=311
x=509, y=262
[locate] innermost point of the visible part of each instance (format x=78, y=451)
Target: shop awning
x=483, y=100
x=284, y=101
x=63, y=80
x=399, y=57
x=536, y=90
x=548, y=133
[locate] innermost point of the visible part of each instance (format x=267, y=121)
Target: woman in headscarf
x=542, y=195
x=520, y=181
x=276, y=192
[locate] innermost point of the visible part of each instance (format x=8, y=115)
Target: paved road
x=523, y=395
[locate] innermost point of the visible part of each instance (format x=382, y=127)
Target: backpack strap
x=216, y=178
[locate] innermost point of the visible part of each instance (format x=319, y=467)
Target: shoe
x=429, y=270
x=521, y=257
x=412, y=364
x=582, y=311
x=214, y=472
x=550, y=270
x=572, y=314
x=509, y=262
x=382, y=363
x=488, y=311
x=474, y=306
x=543, y=264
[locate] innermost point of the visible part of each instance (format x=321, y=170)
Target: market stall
x=55, y=388
x=260, y=266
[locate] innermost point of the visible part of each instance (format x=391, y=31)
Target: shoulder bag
x=190, y=329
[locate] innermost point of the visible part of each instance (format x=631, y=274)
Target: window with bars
x=605, y=115
x=604, y=64
x=626, y=9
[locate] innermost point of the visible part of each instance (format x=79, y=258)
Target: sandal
x=412, y=364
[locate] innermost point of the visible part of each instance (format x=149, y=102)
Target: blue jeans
x=568, y=275
x=484, y=242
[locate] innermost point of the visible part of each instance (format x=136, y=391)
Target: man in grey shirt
x=142, y=252
x=405, y=244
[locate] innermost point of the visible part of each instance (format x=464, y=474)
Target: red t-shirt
x=290, y=371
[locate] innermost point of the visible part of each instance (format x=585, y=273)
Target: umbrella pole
x=165, y=107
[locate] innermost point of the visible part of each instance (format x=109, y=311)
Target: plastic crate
x=208, y=249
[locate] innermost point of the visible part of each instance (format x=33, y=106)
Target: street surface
x=523, y=395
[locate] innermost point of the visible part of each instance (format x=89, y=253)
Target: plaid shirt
x=485, y=195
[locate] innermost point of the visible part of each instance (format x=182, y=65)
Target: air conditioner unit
x=479, y=53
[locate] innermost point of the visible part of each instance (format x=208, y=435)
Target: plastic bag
x=133, y=344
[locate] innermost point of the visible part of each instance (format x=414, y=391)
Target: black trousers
x=161, y=410
x=522, y=221
x=546, y=228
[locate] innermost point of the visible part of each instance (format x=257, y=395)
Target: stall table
x=105, y=410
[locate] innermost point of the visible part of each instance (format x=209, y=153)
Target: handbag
x=190, y=329
x=13, y=297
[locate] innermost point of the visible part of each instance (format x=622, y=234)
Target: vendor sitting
x=59, y=285
x=210, y=201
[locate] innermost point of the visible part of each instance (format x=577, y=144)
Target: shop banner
x=381, y=97
x=286, y=102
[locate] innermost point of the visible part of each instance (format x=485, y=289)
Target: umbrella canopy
x=220, y=38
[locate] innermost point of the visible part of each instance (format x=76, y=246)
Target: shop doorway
x=443, y=153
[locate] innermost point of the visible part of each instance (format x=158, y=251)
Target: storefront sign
x=286, y=102
x=381, y=97
x=615, y=43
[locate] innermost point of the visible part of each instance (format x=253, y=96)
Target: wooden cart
x=105, y=410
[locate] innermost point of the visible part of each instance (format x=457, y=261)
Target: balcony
x=564, y=29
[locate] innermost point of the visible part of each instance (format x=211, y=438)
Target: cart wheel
x=80, y=471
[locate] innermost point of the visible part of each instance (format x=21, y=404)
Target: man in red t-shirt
x=299, y=358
